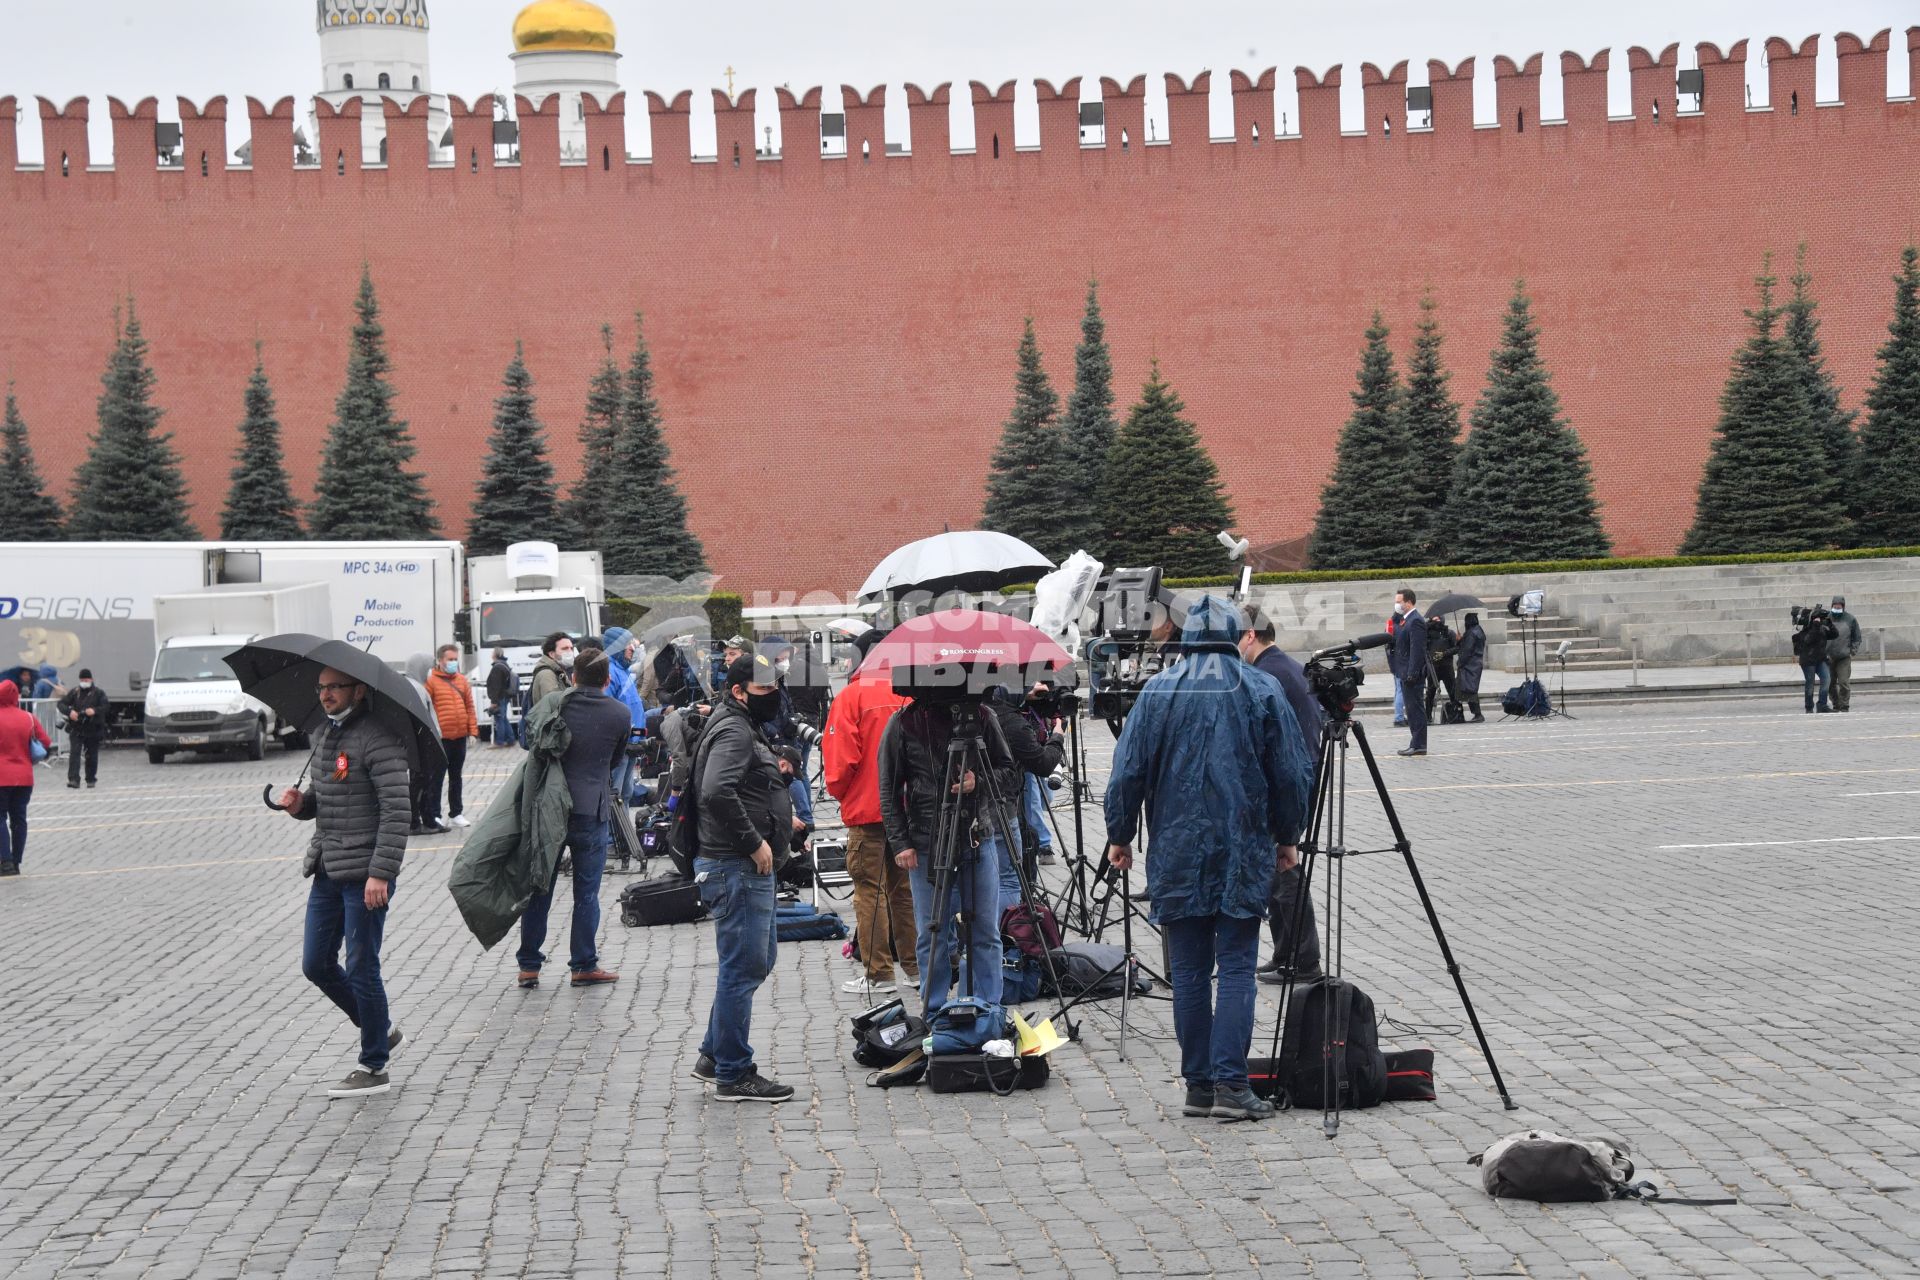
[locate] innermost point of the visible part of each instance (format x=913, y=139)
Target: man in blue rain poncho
x=1214, y=753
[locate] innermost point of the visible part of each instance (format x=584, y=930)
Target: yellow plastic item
x=1034, y=1040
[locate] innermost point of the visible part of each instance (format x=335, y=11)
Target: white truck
x=520, y=598
x=90, y=604
x=193, y=701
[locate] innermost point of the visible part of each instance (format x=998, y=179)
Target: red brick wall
x=835, y=339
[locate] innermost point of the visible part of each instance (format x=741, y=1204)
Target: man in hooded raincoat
x=1216, y=756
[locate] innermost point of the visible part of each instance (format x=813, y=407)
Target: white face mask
x=1399, y=608
x=566, y=659
x=782, y=665
x=339, y=716
x=86, y=684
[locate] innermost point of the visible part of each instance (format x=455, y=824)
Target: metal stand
x=1560, y=706
x=1327, y=835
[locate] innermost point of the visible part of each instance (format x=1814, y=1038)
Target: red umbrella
x=966, y=649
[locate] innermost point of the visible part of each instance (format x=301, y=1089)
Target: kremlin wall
x=834, y=336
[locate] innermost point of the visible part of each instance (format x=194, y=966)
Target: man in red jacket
x=882, y=892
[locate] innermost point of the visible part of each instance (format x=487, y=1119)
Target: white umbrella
x=851, y=628
x=971, y=560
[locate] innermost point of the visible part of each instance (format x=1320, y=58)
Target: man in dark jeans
x=742, y=811
x=84, y=712
x=1302, y=954
x=1410, y=668
x=356, y=797
x=598, y=726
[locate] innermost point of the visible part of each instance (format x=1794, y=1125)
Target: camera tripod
x=1327, y=835
x=954, y=846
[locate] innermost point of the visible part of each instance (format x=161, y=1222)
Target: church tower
x=375, y=48
x=566, y=47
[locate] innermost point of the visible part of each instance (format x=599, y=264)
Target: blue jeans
x=1821, y=674
x=745, y=938
x=1034, y=814
x=504, y=732
x=337, y=912
x=976, y=889
x=1399, y=700
x=587, y=841
x=13, y=822
x=1213, y=1032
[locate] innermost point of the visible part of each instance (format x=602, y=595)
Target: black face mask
x=763, y=707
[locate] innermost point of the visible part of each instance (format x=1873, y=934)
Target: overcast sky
x=268, y=48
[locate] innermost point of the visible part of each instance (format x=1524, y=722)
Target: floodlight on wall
x=1420, y=98
x=506, y=133
x=1693, y=81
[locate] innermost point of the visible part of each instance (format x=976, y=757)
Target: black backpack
x=1528, y=698
x=1358, y=1068
x=683, y=843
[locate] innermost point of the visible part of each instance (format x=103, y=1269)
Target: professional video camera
x=1808, y=615
x=1334, y=674
x=1124, y=656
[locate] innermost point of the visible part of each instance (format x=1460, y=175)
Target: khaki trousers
x=882, y=904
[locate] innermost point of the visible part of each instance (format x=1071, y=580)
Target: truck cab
x=521, y=598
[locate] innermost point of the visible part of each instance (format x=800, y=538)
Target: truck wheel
x=257, y=744
x=156, y=756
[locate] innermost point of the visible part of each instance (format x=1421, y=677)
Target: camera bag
x=1358, y=1069
x=1092, y=969
x=1410, y=1076
x=886, y=1034
x=1528, y=698
x=1452, y=713
x=986, y=1073
x=1554, y=1169
x=964, y=1025
x=668, y=899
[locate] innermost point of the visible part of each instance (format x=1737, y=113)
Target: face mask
x=86, y=684
x=763, y=707
x=451, y=666
x=782, y=665
x=566, y=659
x=339, y=717
x=1399, y=609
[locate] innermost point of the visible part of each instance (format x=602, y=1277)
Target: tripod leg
x=1426, y=902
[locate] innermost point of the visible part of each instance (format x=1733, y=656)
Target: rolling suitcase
x=668, y=899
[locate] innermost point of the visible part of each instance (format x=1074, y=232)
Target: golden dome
x=546, y=26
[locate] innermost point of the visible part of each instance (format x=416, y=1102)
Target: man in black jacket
x=913, y=765
x=84, y=712
x=1410, y=668
x=1301, y=955
x=742, y=813
x=502, y=691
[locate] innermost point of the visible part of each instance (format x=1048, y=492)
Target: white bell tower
x=375, y=48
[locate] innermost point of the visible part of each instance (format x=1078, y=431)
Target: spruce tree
x=365, y=490
x=646, y=523
x=1433, y=431
x=1762, y=489
x=28, y=513
x=260, y=503
x=1832, y=425
x=1370, y=516
x=1086, y=434
x=516, y=499
x=1888, y=488
x=592, y=493
x=1024, y=495
x=1161, y=500
x=129, y=489
x=1523, y=489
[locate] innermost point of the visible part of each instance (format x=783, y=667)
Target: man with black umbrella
x=357, y=799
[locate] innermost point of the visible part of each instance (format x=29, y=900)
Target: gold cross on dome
x=729, y=81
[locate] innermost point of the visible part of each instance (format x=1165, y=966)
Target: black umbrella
x=1448, y=603
x=282, y=671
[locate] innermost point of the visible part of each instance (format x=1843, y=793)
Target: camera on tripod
x=1334, y=674
x=1124, y=656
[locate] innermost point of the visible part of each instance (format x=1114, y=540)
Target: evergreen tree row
x=1143, y=493
x=130, y=487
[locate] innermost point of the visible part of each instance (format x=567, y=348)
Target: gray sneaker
x=359, y=1084
x=394, y=1039
x=1240, y=1104
x=1199, y=1101
x=753, y=1087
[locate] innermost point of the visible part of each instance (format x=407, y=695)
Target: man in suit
x=1410, y=667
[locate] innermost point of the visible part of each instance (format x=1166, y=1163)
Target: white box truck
x=193, y=702
x=520, y=598
x=90, y=604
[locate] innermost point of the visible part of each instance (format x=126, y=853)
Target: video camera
x=1808, y=615
x=1335, y=676
x=1124, y=656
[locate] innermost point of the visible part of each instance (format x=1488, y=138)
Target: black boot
x=9, y=868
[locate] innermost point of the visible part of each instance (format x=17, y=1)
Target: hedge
x=722, y=609
x=1542, y=566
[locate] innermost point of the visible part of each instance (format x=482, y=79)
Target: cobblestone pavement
x=1693, y=929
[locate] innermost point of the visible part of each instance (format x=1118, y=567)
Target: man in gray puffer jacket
x=357, y=800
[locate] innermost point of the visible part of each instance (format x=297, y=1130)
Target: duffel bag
x=668, y=899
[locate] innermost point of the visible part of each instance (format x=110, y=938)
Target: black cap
x=751, y=668
x=865, y=641
x=790, y=754
x=86, y=673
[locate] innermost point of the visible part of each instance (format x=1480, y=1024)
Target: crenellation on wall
x=671, y=122
x=1723, y=80
x=9, y=140
x=1516, y=94
x=1863, y=69
x=134, y=153
x=607, y=147
x=1452, y=90
x=929, y=125
x=1383, y=95
x=1253, y=115
x=270, y=146
x=203, y=143
x=1583, y=89
x=1319, y=107
x=1790, y=78
x=1189, y=105
x=539, y=130
x=1059, y=116
x=866, y=124
x=472, y=136
x=338, y=145
x=1125, y=108
x=734, y=144
x=992, y=121
x=1654, y=82
x=1913, y=63
x=800, y=133
x=63, y=141
x=409, y=149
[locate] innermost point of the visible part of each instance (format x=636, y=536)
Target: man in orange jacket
x=453, y=706
x=882, y=892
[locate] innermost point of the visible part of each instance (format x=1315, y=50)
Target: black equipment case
x=668, y=899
